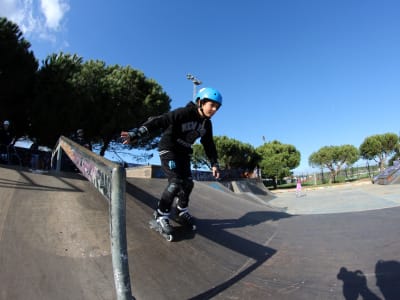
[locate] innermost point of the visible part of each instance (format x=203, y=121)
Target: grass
x=310, y=183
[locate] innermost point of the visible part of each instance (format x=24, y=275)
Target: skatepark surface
x=333, y=243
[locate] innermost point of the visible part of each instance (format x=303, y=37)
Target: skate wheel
x=169, y=237
x=194, y=227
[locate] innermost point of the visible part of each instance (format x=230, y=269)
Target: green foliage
x=17, y=75
x=232, y=154
x=118, y=98
x=334, y=158
x=379, y=147
x=56, y=108
x=101, y=99
x=199, y=158
x=277, y=159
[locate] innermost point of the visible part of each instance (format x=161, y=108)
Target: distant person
x=298, y=187
x=81, y=140
x=7, y=139
x=6, y=135
x=35, y=155
x=181, y=128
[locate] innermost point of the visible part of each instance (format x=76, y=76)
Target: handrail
x=110, y=180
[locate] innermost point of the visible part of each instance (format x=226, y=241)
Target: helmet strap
x=200, y=104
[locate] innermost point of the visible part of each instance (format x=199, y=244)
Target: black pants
x=180, y=182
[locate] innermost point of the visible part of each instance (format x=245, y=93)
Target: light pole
x=196, y=82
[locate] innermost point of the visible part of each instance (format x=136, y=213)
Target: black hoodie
x=181, y=128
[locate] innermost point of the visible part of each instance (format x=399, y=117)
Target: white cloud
x=40, y=18
x=54, y=11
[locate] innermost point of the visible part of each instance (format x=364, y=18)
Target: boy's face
x=210, y=108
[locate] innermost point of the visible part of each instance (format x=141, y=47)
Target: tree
x=18, y=67
x=57, y=108
x=334, y=158
x=232, y=154
x=277, y=159
x=379, y=147
x=101, y=99
x=116, y=98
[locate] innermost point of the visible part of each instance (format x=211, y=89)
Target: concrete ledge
x=150, y=171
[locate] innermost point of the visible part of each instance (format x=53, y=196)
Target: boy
x=181, y=127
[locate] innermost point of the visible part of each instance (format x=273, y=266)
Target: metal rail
x=110, y=180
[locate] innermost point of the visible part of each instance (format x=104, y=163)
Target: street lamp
x=195, y=81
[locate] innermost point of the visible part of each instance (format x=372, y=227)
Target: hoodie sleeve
x=209, y=146
x=165, y=120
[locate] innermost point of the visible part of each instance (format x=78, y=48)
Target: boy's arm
x=211, y=151
x=152, y=123
x=131, y=137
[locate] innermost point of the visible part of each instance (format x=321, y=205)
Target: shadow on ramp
x=387, y=275
x=226, y=251
x=257, y=254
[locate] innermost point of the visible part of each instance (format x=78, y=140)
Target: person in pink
x=298, y=187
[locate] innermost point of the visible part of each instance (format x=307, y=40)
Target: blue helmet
x=209, y=94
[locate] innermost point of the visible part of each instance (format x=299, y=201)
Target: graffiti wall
x=93, y=167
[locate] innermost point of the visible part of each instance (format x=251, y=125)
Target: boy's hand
x=215, y=172
x=132, y=136
x=125, y=137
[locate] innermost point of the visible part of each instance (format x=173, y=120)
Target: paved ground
x=350, y=197
x=54, y=243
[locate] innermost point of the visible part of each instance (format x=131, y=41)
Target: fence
x=346, y=174
x=110, y=180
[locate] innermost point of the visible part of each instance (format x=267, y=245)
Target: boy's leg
x=180, y=185
x=169, y=167
x=182, y=207
x=187, y=184
x=167, y=197
x=183, y=195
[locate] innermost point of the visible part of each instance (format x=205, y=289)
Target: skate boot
x=185, y=218
x=163, y=221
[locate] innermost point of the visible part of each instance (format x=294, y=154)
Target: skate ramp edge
x=390, y=175
x=252, y=187
x=217, y=186
x=244, y=190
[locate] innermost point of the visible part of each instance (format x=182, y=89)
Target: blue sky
x=310, y=73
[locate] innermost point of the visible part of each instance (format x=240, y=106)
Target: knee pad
x=184, y=193
x=187, y=186
x=170, y=192
x=173, y=188
x=168, y=196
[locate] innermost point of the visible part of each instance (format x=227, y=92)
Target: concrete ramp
x=54, y=235
x=253, y=189
x=231, y=242
x=54, y=238
x=54, y=244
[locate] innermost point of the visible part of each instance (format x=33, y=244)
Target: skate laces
x=184, y=214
